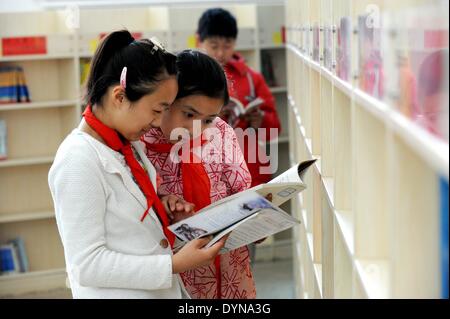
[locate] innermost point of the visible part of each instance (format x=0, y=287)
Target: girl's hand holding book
x=194, y=255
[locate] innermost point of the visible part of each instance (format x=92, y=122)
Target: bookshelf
x=36, y=129
x=370, y=216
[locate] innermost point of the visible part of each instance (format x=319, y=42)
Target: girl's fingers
x=172, y=200
x=189, y=208
x=201, y=242
x=180, y=207
x=215, y=249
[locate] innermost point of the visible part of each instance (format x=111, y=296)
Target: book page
x=253, y=104
x=294, y=174
x=282, y=192
x=214, y=219
x=260, y=225
x=290, y=176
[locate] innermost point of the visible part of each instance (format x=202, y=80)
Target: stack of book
x=13, y=87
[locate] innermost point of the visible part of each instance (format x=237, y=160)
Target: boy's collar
x=237, y=62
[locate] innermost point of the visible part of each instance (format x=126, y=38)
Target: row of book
x=13, y=87
x=401, y=58
x=13, y=257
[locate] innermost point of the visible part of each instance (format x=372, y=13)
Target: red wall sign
x=24, y=45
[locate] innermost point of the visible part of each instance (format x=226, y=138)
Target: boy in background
x=216, y=35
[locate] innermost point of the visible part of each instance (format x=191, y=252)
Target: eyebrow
x=198, y=113
x=164, y=104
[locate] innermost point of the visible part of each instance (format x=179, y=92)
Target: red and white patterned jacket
x=228, y=174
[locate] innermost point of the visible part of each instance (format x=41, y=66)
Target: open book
x=234, y=110
x=247, y=215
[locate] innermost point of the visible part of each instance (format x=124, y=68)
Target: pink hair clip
x=123, y=78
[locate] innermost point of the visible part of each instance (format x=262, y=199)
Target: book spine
x=3, y=140
x=21, y=254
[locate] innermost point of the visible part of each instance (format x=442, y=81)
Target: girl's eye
x=208, y=122
x=189, y=115
x=157, y=112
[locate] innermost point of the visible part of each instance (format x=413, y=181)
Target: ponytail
x=145, y=67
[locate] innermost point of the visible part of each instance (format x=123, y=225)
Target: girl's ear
x=118, y=96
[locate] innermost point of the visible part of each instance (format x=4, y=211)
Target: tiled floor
x=274, y=279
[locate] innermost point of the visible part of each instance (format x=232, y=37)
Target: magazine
x=343, y=49
x=235, y=110
x=328, y=48
x=316, y=43
x=370, y=60
x=247, y=216
x=417, y=60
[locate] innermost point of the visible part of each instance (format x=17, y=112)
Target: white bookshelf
x=370, y=217
x=36, y=129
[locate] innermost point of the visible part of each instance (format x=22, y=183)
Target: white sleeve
x=80, y=204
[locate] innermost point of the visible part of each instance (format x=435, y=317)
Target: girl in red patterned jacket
x=212, y=168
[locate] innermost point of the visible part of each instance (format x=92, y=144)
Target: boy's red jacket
x=243, y=82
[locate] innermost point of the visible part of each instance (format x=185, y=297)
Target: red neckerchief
x=113, y=140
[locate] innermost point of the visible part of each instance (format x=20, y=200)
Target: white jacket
x=109, y=252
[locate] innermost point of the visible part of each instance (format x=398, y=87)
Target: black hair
x=199, y=74
x=217, y=22
x=145, y=67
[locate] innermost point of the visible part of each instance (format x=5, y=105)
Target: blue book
x=9, y=263
x=19, y=245
x=444, y=236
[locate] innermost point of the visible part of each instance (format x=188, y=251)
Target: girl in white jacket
x=112, y=224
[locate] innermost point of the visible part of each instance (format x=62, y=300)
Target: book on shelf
x=85, y=67
x=371, y=74
x=3, y=140
x=247, y=216
x=328, y=42
x=316, y=43
x=19, y=246
x=13, y=257
x=24, y=45
x=13, y=87
x=344, y=49
x=307, y=45
x=267, y=69
x=235, y=110
x=416, y=57
x=9, y=261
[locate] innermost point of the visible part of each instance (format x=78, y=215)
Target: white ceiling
x=33, y=5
